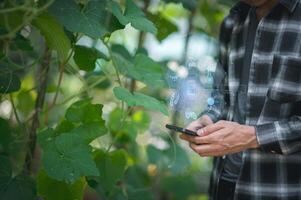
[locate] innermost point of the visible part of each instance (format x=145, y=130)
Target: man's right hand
x=198, y=124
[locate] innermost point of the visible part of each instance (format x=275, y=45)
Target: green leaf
x=19, y=187
x=21, y=43
x=5, y=136
x=122, y=51
x=132, y=15
x=5, y=167
x=15, y=188
x=83, y=111
x=64, y=126
x=150, y=72
x=9, y=82
x=141, y=120
x=179, y=158
x=111, y=166
x=50, y=189
x=188, y=4
x=89, y=21
x=142, y=68
x=90, y=131
x=139, y=99
x=66, y=158
x=46, y=138
x=165, y=27
x=54, y=34
x=179, y=187
x=85, y=57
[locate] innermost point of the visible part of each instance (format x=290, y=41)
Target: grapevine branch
x=41, y=91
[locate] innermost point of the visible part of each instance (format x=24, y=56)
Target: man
x=257, y=149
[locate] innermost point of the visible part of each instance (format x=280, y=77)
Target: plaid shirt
x=273, y=171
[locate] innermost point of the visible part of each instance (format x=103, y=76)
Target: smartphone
x=181, y=130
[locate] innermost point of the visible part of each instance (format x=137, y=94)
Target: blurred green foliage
x=77, y=118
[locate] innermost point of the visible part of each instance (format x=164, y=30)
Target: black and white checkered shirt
x=273, y=171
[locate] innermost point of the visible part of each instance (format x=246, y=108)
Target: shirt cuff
x=267, y=138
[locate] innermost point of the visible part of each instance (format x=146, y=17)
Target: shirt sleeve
x=282, y=137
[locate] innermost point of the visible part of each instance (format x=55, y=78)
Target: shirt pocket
x=283, y=90
x=285, y=81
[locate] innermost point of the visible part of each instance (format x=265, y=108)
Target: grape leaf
x=89, y=21
x=111, y=167
x=142, y=68
x=66, y=158
x=9, y=82
x=85, y=57
x=17, y=187
x=51, y=189
x=90, y=131
x=139, y=99
x=84, y=111
x=132, y=15
x=165, y=27
x=54, y=34
x=150, y=72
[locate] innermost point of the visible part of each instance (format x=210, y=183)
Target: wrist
x=252, y=139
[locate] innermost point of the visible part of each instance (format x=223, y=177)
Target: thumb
x=207, y=130
x=206, y=120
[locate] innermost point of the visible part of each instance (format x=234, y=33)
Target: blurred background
x=58, y=52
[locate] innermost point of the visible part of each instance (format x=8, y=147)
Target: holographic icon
x=210, y=101
x=174, y=99
x=191, y=115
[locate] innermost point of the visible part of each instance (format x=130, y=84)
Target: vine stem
x=62, y=68
x=34, y=12
x=41, y=91
x=113, y=62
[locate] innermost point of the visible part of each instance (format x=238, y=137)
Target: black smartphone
x=181, y=130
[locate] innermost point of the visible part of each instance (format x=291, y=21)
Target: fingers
x=198, y=140
x=206, y=150
x=206, y=120
x=210, y=129
x=194, y=126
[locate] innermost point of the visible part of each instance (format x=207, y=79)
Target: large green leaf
x=54, y=34
x=118, y=125
x=50, y=189
x=132, y=15
x=139, y=99
x=17, y=187
x=165, y=27
x=90, y=131
x=150, y=72
x=66, y=158
x=9, y=82
x=85, y=57
x=111, y=166
x=83, y=111
x=88, y=21
x=142, y=68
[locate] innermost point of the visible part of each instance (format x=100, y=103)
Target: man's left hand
x=221, y=138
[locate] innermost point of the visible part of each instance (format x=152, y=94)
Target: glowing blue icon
x=210, y=101
x=191, y=115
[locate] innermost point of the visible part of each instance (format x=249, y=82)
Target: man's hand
x=222, y=138
x=200, y=123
